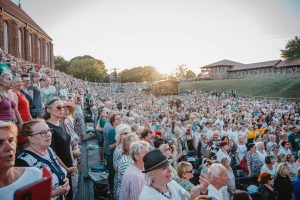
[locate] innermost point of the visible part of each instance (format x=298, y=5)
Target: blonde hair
x=281, y=169
x=182, y=168
x=127, y=141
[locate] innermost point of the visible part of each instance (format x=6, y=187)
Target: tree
x=61, y=64
x=140, y=74
x=292, y=49
x=190, y=74
x=87, y=68
x=181, y=71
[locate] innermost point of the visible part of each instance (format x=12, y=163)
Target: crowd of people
x=192, y=146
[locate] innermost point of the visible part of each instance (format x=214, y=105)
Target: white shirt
x=220, y=155
x=218, y=194
x=262, y=156
x=284, y=151
x=177, y=192
x=264, y=168
x=30, y=175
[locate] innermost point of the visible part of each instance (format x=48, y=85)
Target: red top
x=23, y=107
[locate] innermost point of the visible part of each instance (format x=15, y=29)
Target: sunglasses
x=191, y=171
x=43, y=133
x=60, y=107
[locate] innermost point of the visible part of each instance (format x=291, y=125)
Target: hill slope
x=285, y=87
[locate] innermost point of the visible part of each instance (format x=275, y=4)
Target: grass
x=283, y=87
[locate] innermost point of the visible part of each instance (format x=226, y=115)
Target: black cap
x=154, y=159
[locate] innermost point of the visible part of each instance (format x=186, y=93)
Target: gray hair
x=121, y=129
x=149, y=178
x=216, y=169
x=137, y=147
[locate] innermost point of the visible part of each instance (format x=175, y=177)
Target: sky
x=167, y=33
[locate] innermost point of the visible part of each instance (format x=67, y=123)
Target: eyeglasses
x=60, y=107
x=42, y=133
x=191, y=171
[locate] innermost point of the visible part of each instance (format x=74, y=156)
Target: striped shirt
x=132, y=183
x=124, y=162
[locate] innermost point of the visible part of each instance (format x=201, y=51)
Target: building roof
x=16, y=11
x=271, y=63
x=287, y=63
x=225, y=63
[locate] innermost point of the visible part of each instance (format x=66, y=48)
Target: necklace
x=168, y=194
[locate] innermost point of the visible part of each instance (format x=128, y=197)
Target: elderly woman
x=253, y=162
x=282, y=182
x=290, y=158
x=121, y=131
x=61, y=140
x=269, y=166
x=125, y=160
x=159, y=183
x=222, y=153
x=133, y=179
x=12, y=178
x=185, y=173
x=39, y=154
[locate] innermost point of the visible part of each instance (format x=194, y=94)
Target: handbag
x=243, y=165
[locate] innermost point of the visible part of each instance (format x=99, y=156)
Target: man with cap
x=158, y=180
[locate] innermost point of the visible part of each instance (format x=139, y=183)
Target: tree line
x=91, y=69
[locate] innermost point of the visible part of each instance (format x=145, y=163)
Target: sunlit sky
x=167, y=33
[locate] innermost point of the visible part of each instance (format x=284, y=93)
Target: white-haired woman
x=121, y=131
x=133, y=179
x=125, y=160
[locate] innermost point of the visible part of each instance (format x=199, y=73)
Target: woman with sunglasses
x=39, y=154
x=61, y=140
x=185, y=173
x=266, y=190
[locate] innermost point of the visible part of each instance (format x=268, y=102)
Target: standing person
x=282, y=182
x=253, y=162
x=8, y=107
x=12, y=178
x=231, y=187
x=99, y=128
x=49, y=91
x=61, y=140
x=294, y=139
x=222, y=153
x=296, y=186
x=39, y=154
x=133, y=180
x=266, y=190
x=114, y=120
x=269, y=166
x=79, y=116
x=35, y=92
x=125, y=161
x=26, y=83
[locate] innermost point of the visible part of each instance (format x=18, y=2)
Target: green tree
x=87, y=68
x=190, y=74
x=292, y=49
x=61, y=64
